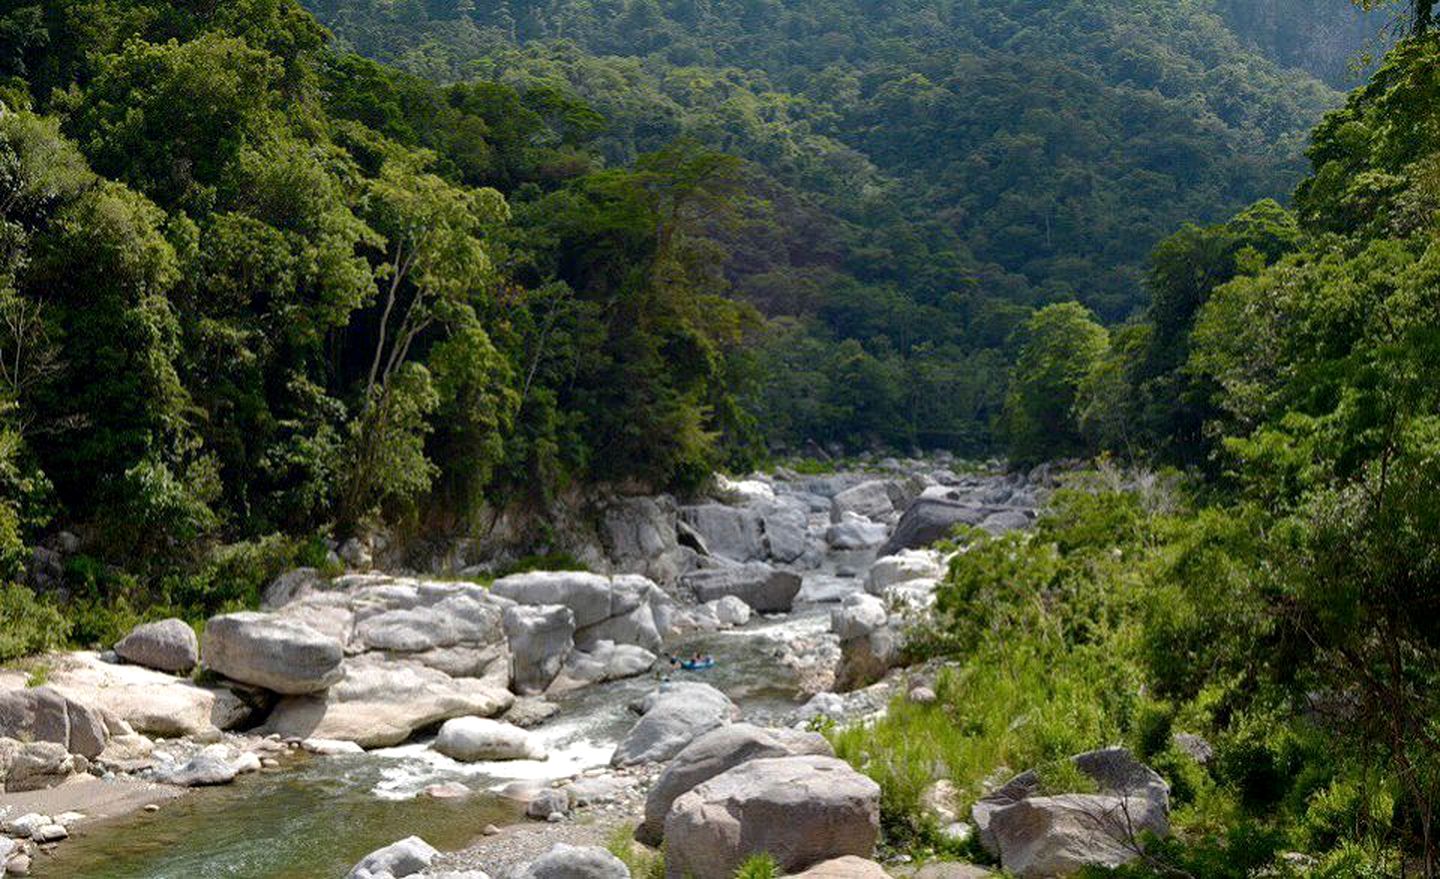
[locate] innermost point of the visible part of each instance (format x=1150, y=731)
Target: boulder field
x=366, y=660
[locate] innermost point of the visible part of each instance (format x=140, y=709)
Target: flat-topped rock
x=270, y=651
x=382, y=702
x=151, y=702
x=765, y=588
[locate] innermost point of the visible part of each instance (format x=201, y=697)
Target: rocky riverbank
x=480, y=674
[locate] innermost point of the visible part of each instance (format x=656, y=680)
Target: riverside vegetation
x=258, y=291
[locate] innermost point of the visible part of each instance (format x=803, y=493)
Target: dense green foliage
x=930, y=170
x=249, y=286
x=1281, y=600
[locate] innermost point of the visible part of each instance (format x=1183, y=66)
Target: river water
x=314, y=819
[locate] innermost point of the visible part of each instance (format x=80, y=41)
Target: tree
x=1061, y=345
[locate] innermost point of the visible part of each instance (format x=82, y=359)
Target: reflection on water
x=312, y=821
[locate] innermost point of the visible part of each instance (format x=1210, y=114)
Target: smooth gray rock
x=408, y=857
x=272, y=652
x=802, y=811
x=575, y=862
x=759, y=585
x=1033, y=834
x=382, y=702
x=1041, y=837
x=931, y=519
x=734, y=533
x=856, y=534
x=869, y=499
x=164, y=645
x=206, y=769
x=586, y=595
x=541, y=639
x=39, y=765
x=547, y=802
x=715, y=752
x=290, y=586
x=477, y=739
x=43, y=714
x=677, y=714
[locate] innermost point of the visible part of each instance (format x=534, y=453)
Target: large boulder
x=269, y=651
x=1041, y=837
x=904, y=567
x=31, y=766
x=715, y=752
x=674, y=716
x=408, y=857
x=606, y=661
x=638, y=613
x=1036, y=835
x=574, y=862
x=870, y=645
x=759, y=585
x=165, y=645
x=801, y=811
x=478, y=739
x=734, y=533
x=1001, y=521
x=451, y=622
x=44, y=714
x=787, y=535
x=150, y=702
x=639, y=537
x=383, y=702
x=929, y=520
x=541, y=639
x=869, y=499
x=586, y=595
x=855, y=533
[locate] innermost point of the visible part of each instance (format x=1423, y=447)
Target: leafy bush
x=30, y=624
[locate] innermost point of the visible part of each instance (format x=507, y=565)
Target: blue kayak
x=692, y=665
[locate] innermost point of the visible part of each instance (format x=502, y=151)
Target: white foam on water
x=416, y=766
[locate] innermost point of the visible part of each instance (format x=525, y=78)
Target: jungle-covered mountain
x=932, y=169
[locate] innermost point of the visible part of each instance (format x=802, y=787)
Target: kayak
x=692, y=665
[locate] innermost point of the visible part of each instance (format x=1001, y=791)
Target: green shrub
x=760, y=866
x=28, y=624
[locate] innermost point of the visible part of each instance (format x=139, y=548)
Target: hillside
x=933, y=168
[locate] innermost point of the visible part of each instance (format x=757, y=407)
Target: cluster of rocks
x=25, y=836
